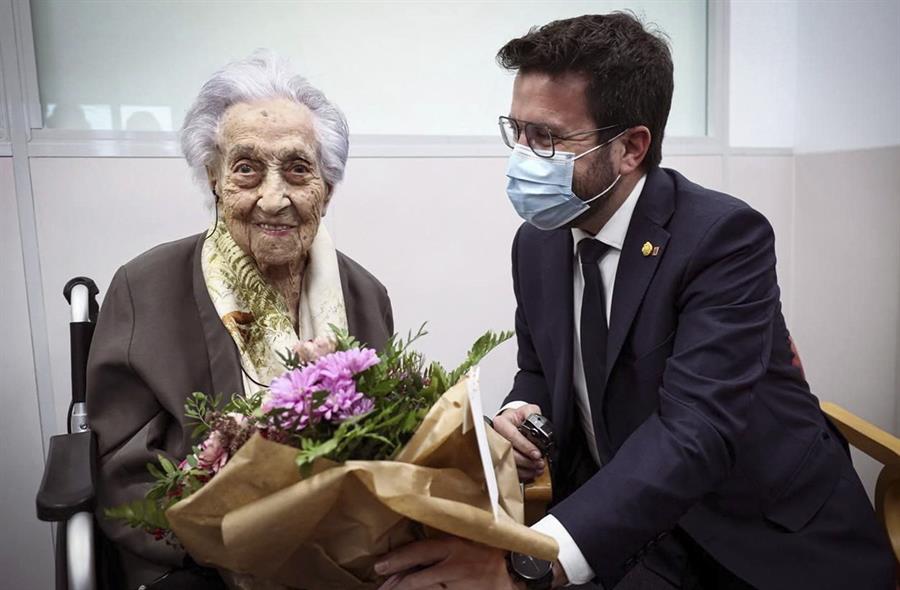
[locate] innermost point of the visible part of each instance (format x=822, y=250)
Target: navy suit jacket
x=709, y=425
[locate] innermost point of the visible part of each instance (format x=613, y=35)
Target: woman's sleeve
x=130, y=424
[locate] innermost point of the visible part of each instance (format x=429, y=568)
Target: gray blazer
x=158, y=339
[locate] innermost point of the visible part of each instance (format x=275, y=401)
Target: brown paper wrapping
x=325, y=532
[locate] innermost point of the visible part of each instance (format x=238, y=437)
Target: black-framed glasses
x=539, y=137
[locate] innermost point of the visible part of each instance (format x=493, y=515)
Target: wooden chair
x=865, y=436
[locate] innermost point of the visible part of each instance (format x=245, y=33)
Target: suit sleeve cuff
x=510, y=406
x=570, y=556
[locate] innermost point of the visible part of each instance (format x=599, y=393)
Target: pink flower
x=239, y=419
x=213, y=452
x=312, y=350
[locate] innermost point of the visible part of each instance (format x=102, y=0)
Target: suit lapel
x=635, y=270
x=556, y=284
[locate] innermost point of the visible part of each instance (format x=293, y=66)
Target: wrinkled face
x=268, y=180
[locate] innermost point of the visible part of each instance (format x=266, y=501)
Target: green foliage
x=403, y=394
x=198, y=408
x=144, y=514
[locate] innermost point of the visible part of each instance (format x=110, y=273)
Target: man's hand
x=447, y=562
x=528, y=457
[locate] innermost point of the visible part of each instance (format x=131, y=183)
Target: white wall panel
x=25, y=541
x=763, y=73
x=848, y=79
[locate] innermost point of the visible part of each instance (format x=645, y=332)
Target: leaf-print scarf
x=256, y=315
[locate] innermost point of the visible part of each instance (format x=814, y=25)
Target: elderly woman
x=212, y=311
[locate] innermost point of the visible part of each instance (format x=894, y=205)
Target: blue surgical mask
x=540, y=189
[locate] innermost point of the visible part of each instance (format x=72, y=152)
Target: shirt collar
x=613, y=233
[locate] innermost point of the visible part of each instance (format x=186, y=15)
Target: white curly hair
x=264, y=75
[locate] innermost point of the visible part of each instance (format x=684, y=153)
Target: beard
x=596, y=179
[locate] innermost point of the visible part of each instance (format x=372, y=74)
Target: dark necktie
x=594, y=332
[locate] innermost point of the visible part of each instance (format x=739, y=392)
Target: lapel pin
x=655, y=250
x=647, y=248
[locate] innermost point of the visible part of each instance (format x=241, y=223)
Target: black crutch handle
x=80, y=334
x=93, y=291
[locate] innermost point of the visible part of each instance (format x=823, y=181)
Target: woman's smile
x=275, y=229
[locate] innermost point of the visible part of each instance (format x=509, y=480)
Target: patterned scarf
x=257, y=316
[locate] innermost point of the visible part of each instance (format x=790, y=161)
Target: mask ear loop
x=618, y=176
x=597, y=147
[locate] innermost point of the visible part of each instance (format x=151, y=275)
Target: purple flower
x=290, y=398
x=339, y=367
x=291, y=403
x=344, y=403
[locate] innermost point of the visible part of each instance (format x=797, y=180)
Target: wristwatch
x=536, y=573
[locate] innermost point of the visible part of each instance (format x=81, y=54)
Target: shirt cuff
x=510, y=406
x=570, y=556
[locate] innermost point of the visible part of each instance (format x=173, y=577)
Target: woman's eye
x=245, y=169
x=299, y=169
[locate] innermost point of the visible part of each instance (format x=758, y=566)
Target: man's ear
x=636, y=142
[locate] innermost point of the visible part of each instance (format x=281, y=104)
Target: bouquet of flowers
x=345, y=456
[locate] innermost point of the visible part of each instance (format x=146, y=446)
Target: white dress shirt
x=613, y=233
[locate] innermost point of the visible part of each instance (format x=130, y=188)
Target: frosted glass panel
x=407, y=68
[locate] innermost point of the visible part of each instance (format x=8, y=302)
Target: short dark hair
x=629, y=68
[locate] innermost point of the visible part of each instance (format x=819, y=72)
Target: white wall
x=816, y=76
x=25, y=544
x=848, y=79
x=762, y=87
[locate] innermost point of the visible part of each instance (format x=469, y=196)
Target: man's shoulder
x=695, y=203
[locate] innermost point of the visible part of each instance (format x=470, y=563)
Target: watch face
x=530, y=568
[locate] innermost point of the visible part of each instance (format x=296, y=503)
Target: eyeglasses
x=541, y=141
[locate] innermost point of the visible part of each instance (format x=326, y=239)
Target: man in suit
x=691, y=451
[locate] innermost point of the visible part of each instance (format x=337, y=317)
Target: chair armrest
x=68, y=483
x=538, y=494
x=865, y=436
x=540, y=489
